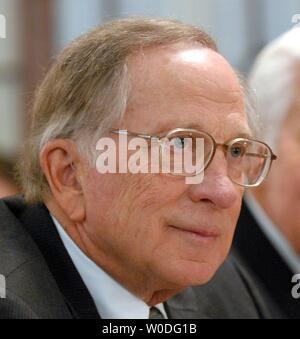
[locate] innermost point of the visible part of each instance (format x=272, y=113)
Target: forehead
x=292, y=119
x=183, y=86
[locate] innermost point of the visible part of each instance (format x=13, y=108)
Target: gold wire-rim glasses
x=215, y=145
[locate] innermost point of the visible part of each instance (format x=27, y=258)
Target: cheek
x=290, y=191
x=283, y=194
x=124, y=206
x=229, y=221
x=285, y=178
x=292, y=183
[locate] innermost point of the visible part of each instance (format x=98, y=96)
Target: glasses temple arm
x=273, y=156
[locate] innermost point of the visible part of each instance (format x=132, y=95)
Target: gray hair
x=87, y=88
x=273, y=80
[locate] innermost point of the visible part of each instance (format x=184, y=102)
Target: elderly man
x=268, y=232
x=85, y=243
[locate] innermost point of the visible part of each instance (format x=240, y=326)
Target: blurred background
x=33, y=31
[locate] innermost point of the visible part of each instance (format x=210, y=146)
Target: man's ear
x=63, y=170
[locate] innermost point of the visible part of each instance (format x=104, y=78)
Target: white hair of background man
x=273, y=81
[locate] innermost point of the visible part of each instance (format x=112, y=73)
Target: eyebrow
x=164, y=130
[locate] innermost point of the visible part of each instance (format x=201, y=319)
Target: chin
x=190, y=273
x=202, y=275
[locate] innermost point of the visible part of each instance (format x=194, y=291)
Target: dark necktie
x=155, y=313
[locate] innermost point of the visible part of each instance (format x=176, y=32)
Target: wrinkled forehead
x=195, y=68
x=179, y=82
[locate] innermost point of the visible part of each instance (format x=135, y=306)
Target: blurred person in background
x=7, y=184
x=268, y=232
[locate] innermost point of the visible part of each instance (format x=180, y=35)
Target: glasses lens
x=186, y=152
x=248, y=161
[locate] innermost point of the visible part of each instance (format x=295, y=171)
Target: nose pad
x=218, y=165
x=216, y=186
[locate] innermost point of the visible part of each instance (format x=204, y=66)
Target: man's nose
x=216, y=186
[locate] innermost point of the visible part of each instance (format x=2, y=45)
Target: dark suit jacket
x=257, y=252
x=42, y=281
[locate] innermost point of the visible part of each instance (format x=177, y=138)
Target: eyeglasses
x=248, y=160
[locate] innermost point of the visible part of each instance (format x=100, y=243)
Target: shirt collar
x=274, y=235
x=112, y=300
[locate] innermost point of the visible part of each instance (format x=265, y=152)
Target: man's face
x=282, y=200
x=154, y=229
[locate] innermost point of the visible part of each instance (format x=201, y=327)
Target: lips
x=198, y=231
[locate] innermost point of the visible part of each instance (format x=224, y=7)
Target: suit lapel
x=185, y=306
x=38, y=223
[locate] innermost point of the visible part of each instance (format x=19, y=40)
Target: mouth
x=198, y=234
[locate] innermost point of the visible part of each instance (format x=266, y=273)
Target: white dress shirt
x=112, y=300
x=277, y=239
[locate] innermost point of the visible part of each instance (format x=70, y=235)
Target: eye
x=179, y=142
x=236, y=151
